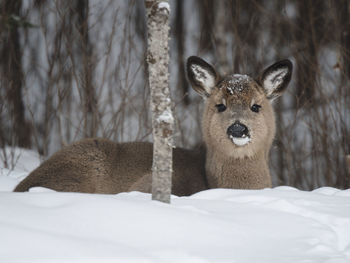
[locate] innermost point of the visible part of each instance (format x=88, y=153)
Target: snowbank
x=222, y=225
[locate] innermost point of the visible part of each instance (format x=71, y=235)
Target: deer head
x=238, y=119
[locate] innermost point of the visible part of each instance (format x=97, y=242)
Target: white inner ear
x=203, y=76
x=273, y=80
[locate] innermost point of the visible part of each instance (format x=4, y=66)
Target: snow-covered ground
x=272, y=225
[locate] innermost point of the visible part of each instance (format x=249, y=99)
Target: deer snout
x=238, y=133
x=237, y=130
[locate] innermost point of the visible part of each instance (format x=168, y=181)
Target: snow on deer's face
x=238, y=119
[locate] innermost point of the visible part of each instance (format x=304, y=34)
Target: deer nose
x=237, y=130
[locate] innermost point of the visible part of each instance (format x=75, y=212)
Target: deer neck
x=246, y=173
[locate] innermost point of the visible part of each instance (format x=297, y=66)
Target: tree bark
x=309, y=28
x=90, y=100
x=342, y=8
x=162, y=118
x=12, y=74
x=220, y=34
x=206, y=14
x=180, y=41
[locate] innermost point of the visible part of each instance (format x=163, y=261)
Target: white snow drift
x=272, y=225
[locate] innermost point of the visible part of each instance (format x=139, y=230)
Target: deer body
x=102, y=166
x=238, y=129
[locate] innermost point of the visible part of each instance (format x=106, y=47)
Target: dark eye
x=220, y=107
x=255, y=108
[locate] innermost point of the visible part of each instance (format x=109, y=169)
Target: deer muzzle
x=238, y=133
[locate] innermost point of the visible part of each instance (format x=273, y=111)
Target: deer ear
x=202, y=75
x=275, y=78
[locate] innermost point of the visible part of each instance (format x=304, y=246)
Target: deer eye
x=255, y=108
x=221, y=107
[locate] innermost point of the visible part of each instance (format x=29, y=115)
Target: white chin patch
x=240, y=141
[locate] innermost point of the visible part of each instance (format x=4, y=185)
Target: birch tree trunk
x=162, y=118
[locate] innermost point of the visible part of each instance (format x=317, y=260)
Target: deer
x=238, y=128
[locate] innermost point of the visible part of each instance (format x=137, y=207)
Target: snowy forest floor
x=278, y=225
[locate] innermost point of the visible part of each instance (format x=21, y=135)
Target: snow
x=164, y=5
x=279, y=225
x=24, y=162
x=166, y=116
x=237, y=83
x=240, y=141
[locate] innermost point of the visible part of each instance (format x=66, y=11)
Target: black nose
x=237, y=130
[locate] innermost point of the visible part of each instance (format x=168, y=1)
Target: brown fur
x=240, y=167
x=102, y=166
